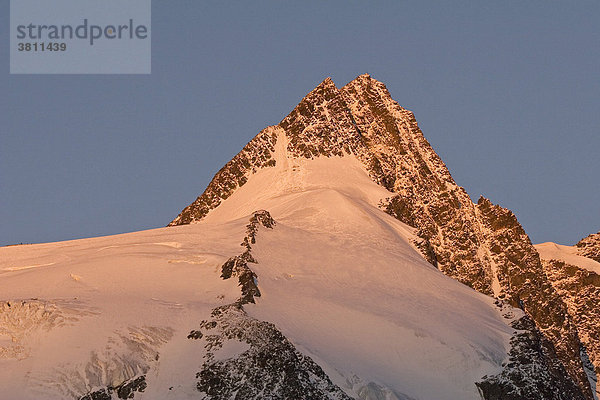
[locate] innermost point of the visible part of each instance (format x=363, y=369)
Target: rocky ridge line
x=255, y=155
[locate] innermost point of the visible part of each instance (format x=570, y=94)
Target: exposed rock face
x=590, y=246
x=126, y=390
x=524, y=283
x=580, y=288
x=237, y=266
x=481, y=245
x=426, y=197
x=321, y=125
x=265, y=364
x=531, y=372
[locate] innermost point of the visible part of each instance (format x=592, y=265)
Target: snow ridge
x=251, y=359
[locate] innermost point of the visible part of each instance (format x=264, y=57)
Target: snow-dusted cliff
x=344, y=306
x=577, y=280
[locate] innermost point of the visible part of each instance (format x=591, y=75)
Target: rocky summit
x=334, y=257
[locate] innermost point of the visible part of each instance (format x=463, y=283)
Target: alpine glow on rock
x=334, y=257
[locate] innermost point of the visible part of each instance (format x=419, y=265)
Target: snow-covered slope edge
x=139, y=339
x=567, y=254
x=348, y=308
x=104, y=315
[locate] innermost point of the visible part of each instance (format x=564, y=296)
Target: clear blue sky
x=508, y=94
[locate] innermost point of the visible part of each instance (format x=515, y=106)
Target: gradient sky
x=507, y=93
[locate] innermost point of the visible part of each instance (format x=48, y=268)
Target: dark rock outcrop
x=125, y=390
x=237, y=266
x=524, y=284
x=268, y=366
x=532, y=371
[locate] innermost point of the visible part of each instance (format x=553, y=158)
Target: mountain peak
x=326, y=90
x=366, y=81
x=327, y=82
x=321, y=124
x=482, y=246
x=363, y=78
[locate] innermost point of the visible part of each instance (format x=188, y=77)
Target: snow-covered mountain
x=333, y=258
